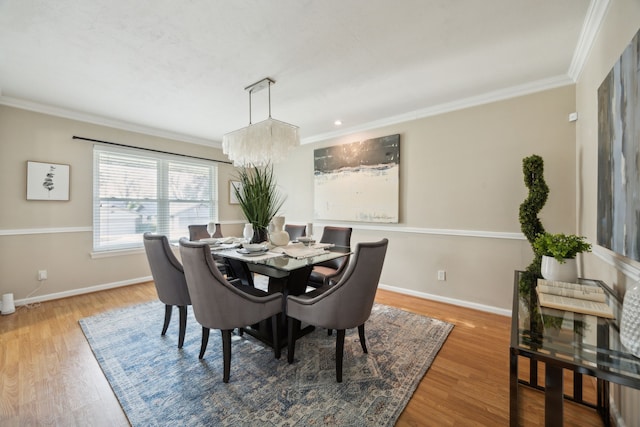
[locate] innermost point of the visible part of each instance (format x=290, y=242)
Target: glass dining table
x=288, y=269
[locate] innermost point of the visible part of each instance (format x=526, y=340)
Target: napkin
x=299, y=251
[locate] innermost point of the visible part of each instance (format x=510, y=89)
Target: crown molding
x=474, y=101
x=592, y=22
x=486, y=98
x=103, y=121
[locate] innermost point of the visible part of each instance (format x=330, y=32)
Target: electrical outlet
x=42, y=275
x=442, y=275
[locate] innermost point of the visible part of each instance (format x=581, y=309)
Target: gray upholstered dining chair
x=232, y=268
x=219, y=304
x=295, y=231
x=325, y=272
x=168, y=276
x=197, y=232
x=345, y=305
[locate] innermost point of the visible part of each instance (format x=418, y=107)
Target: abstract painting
x=619, y=155
x=359, y=181
x=47, y=181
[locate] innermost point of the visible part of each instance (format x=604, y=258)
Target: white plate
x=249, y=253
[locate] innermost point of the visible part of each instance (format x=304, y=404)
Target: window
x=135, y=192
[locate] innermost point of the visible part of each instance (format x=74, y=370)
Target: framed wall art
x=359, y=181
x=47, y=181
x=619, y=155
x=233, y=200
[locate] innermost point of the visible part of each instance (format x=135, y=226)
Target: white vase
x=247, y=233
x=278, y=236
x=551, y=269
x=630, y=322
x=211, y=228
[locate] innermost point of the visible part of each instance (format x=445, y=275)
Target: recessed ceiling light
x=338, y=122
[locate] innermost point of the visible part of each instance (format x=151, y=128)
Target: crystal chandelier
x=261, y=143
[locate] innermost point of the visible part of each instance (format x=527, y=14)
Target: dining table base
x=293, y=283
x=264, y=333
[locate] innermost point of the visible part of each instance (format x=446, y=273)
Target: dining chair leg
x=363, y=341
x=339, y=354
x=294, y=326
x=167, y=318
x=226, y=354
x=183, y=324
x=205, y=341
x=275, y=327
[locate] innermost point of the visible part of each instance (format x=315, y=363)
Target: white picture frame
x=233, y=200
x=48, y=181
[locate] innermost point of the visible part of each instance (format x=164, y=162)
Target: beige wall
x=56, y=236
x=621, y=23
x=461, y=173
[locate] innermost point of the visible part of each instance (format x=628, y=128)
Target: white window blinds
x=135, y=192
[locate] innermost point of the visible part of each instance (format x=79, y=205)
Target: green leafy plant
x=560, y=246
x=258, y=195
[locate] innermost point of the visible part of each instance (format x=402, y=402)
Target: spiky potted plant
x=259, y=198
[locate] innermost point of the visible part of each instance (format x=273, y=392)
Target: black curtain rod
x=149, y=149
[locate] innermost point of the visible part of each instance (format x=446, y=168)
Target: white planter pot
x=551, y=269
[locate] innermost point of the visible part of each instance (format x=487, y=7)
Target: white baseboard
x=96, y=288
x=453, y=301
x=87, y=290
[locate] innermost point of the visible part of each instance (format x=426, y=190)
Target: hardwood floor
x=49, y=376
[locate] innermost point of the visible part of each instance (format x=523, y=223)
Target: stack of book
x=586, y=299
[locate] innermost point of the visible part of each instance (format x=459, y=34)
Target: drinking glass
x=211, y=228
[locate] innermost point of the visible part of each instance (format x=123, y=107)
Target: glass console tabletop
x=585, y=344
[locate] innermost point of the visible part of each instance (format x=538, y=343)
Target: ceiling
x=179, y=68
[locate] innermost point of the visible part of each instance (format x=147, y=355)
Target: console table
x=584, y=344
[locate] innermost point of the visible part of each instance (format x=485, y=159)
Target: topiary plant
x=531, y=226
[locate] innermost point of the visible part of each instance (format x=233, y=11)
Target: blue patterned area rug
x=158, y=384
